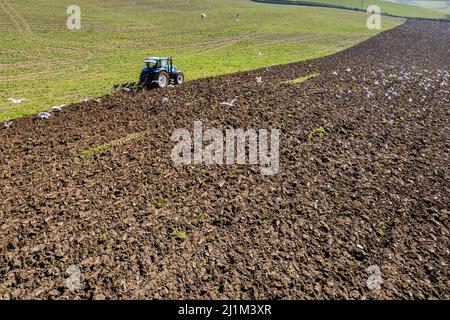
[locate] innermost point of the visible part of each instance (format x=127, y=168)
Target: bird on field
x=203, y=15
x=348, y=70
x=258, y=79
x=12, y=100
x=368, y=92
x=86, y=99
x=127, y=89
x=335, y=73
x=229, y=103
x=57, y=108
x=97, y=100
x=164, y=100
x=238, y=17
x=7, y=124
x=260, y=54
x=44, y=115
x=391, y=93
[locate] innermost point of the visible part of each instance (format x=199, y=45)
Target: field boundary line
x=333, y=6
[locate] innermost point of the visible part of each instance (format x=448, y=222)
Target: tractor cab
x=160, y=71
x=151, y=63
x=156, y=62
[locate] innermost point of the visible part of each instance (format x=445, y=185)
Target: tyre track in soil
x=18, y=16
x=13, y=19
x=24, y=28
x=372, y=191
x=18, y=20
x=85, y=53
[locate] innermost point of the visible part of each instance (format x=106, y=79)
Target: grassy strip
x=99, y=148
x=302, y=79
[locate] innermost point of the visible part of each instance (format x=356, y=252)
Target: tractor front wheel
x=163, y=79
x=180, y=78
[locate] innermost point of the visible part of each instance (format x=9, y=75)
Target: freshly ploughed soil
x=363, y=181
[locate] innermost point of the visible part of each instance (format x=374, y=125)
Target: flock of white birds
x=44, y=115
x=396, y=84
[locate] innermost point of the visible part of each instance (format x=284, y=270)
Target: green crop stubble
x=302, y=79
x=52, y=65
x=99, y=148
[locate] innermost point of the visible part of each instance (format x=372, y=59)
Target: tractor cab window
x=152, y=64
x=164, y=63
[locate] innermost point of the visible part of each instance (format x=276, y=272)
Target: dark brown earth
x=374, y=190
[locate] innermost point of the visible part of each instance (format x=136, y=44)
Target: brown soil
x=372, y=191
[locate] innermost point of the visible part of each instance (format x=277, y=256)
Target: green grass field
x=421, y=9
x=42, y=61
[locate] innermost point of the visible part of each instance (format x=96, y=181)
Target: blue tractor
x=159, y=72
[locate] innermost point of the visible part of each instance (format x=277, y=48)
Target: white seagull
x=12, y=100
x=44, y=115
x=7, y=124
x=229, y=103
x=58, y=108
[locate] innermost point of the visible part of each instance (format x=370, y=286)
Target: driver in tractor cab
x=152, y=64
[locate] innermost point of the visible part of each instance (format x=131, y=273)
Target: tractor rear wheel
x=180, y=78
x=163, y=79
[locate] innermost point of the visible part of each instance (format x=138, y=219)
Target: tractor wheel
x=163, y=79
x=180, y=78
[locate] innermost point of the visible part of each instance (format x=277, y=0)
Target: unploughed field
x=363, y=182
x=430, y=9
x=42, y=61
